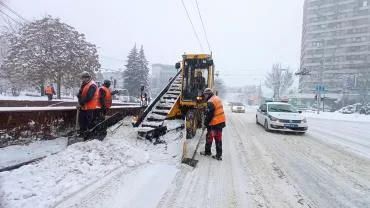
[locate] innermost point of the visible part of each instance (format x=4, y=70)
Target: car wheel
x=266, y=125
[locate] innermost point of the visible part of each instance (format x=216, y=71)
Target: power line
x=11, y=18
x=12, y=11
x=192, y=25
x=204, y=28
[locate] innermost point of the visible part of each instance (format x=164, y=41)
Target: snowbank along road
x=327, y=167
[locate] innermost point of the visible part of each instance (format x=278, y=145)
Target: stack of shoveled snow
x=60, y=176
x=16, y=154
x=45, y=183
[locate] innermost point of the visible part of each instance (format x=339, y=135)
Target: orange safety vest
x=93, y=103
x=108, y=97
x=48, y=90
x=219, y=115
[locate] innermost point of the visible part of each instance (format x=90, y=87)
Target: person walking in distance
x=49, y=91
x=215, y=121
x=88, y=96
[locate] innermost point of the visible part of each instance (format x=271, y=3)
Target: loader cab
x=197, y=75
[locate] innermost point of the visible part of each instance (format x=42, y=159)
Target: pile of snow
x=15, y=154
x=45, y=183
x=339, y=116
x=61, y=176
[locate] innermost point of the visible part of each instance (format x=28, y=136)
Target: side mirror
x=178, y=65
x=263, y=110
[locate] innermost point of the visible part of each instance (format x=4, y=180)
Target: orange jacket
x=219, y=115
x=93, y=103
x=49, y=90
x=107, y=98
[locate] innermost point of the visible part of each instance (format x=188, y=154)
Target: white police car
x=281, y=116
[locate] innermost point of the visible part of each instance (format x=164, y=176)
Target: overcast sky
x=246, y=36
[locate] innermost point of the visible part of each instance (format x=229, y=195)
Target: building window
x=364, y=3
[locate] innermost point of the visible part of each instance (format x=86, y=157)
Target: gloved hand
x=104, y=109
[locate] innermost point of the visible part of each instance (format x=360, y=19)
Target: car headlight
x=272, y=118
x=304, y=120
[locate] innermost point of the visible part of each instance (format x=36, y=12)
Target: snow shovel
x=75, y=138
x=191, y=161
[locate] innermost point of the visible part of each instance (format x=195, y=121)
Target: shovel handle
x=196, y=148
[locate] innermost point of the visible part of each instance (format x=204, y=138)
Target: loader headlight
x=199, y=98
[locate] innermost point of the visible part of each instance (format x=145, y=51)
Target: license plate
x=291, y=125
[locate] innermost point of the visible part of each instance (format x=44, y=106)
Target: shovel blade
x=74, y=139
x=189, y=161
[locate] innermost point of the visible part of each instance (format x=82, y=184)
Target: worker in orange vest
x=49, y=91
x=105, y=98
x=88, y=99
x=215, y=121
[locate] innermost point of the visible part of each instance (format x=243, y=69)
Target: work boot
x=204, y=153
x=217, y=157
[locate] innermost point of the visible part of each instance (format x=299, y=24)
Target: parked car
x=348, y=109
x=281, y=116
x=237, y=108
x=365, y=109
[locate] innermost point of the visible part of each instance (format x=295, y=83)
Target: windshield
x=281, y=108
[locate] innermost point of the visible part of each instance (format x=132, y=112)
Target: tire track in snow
x=272, y=184
x=322, y=170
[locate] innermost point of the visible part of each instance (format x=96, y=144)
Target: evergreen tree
x=130, y=79
x=143, y=70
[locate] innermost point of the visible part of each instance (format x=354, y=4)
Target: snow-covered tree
x=136, y=73
x=279, y=80
x=7, y=29
x=143, y=69
x=48, y=50
x=130, y=78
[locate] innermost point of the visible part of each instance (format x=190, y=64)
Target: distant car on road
x=237, y=108
x=281, y=116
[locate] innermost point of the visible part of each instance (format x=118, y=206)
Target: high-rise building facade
x=335, y=44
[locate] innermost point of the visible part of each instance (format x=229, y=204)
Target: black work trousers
x=214, y=134
x=87, y=119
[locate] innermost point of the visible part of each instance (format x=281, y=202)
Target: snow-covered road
x=327, y=167
x=261, y=169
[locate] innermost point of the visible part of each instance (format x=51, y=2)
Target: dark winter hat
x=85, y=74
x=106, y=83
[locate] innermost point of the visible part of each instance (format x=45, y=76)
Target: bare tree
x=279, y=80
x=363, y=85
